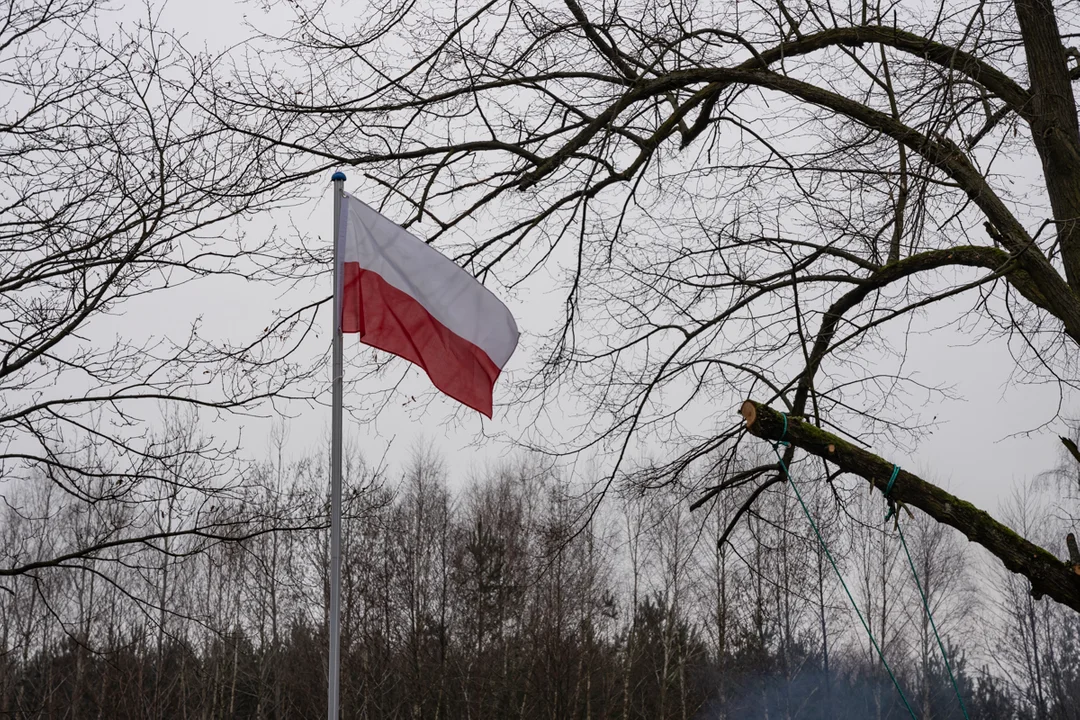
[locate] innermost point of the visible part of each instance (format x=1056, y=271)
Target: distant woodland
x=501, y=598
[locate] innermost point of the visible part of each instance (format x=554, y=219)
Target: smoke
x=813, y=695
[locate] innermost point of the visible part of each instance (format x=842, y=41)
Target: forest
x=495, y=599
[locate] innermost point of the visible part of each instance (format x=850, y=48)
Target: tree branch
x=1048, y=575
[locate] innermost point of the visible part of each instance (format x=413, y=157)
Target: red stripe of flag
x=392, y=320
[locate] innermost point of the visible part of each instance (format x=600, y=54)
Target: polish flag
x=406, y=298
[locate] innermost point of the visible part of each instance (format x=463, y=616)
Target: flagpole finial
x=337, y=176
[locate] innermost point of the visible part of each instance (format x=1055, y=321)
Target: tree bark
x=1052, y=116
x=1048, y=575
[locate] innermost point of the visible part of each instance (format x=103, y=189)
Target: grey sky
x=978, y=451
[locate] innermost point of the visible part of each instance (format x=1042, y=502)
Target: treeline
x=508, y=597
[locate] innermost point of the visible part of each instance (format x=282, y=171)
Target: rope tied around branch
x=781, y=440
x=888, y=493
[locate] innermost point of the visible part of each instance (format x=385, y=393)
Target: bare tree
x=116, y=193
x=421, y=523
x=941, y=570
x=749, y=200
x=501, y=564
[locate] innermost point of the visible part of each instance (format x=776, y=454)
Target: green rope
x=888, y=490
x=854, y=605
x=925, y=601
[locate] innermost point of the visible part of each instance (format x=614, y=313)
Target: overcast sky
x=980, y=451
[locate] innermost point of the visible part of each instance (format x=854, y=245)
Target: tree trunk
x=1054, y=128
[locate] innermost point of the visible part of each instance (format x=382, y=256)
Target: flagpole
x=334, y=671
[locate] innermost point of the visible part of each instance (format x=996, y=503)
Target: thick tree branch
x=1054, y=292
x=994, y=80
x=967, y=255
x=1048, y=575
x=1071, y=447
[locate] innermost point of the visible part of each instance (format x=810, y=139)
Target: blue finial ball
x=338, y=176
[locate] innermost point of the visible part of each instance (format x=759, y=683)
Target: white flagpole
x=333, y=711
